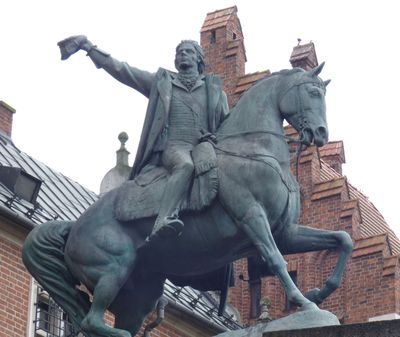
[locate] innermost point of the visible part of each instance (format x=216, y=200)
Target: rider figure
x=183, y=108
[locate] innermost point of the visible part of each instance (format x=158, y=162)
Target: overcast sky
x=69, y=114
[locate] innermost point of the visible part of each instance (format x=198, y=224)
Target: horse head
x=302, y=104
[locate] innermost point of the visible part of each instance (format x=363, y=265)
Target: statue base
x=295, y=321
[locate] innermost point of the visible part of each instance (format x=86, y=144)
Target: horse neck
x=256, y=110
x=257, y=121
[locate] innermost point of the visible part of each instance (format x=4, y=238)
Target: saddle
x=141, y=197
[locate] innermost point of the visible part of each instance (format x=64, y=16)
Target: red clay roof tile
x=246, y=81
x=218, y=18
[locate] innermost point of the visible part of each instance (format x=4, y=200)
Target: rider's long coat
x=158, y=88
x=159, y=106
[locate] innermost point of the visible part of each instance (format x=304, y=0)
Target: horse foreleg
x=255, y=224
x=300, y=239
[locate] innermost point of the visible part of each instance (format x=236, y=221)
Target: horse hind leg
x=112, y=278
x=135, y=301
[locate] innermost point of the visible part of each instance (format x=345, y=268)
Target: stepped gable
x=332, y=156
x=372, y=221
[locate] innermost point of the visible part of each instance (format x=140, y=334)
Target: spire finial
x=123, y=137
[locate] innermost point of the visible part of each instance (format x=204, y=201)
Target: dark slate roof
x=59, y=197
x=64, y=199
x=203, y=304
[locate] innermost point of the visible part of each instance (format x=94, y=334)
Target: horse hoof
x=309, y=306
x=313, y=295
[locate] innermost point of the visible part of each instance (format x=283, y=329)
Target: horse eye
x=315, y=93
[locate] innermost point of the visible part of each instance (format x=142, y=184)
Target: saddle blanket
x=141, y=197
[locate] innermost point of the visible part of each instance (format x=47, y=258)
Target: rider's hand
x=207, y=136
x=71, y=45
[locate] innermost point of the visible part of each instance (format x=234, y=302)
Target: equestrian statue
x=209, y=186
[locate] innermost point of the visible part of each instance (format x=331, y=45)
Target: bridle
x=303, y=124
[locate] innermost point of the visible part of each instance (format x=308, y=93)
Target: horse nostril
x=321, y=133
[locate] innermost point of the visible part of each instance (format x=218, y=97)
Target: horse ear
x=316, y=71
x=327, y=82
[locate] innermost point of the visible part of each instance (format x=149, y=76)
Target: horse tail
x=43, y=256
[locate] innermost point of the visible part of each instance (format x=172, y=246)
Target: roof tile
x=218, y=18
x=246, y=81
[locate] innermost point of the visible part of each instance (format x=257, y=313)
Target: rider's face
x=186, y=57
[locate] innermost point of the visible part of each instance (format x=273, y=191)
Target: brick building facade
x=370, y=287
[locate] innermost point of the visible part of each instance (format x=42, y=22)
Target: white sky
x=69, y=114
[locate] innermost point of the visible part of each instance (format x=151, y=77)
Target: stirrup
x=171, y=227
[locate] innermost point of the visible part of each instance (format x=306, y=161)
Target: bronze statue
x=254, y=212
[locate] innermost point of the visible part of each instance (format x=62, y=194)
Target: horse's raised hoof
x=313, y=295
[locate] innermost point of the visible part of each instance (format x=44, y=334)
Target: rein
x=257, y=156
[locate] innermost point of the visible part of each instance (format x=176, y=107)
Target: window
x=255, y=297
x=213, y=37
x=49, y=320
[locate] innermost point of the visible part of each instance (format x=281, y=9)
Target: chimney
x=6, y=118
x=304, y=56
x=221, y=38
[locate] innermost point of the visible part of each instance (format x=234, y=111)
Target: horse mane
x=282, y=72
x=236, y=117
x=285, y=72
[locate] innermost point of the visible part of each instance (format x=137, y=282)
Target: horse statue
x=255, y=213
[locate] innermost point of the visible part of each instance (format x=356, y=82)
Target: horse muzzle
x=318, y=136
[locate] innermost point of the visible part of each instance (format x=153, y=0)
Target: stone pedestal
x=372, y=329
x=298, y=320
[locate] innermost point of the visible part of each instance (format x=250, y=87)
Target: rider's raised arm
x=122, y=71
